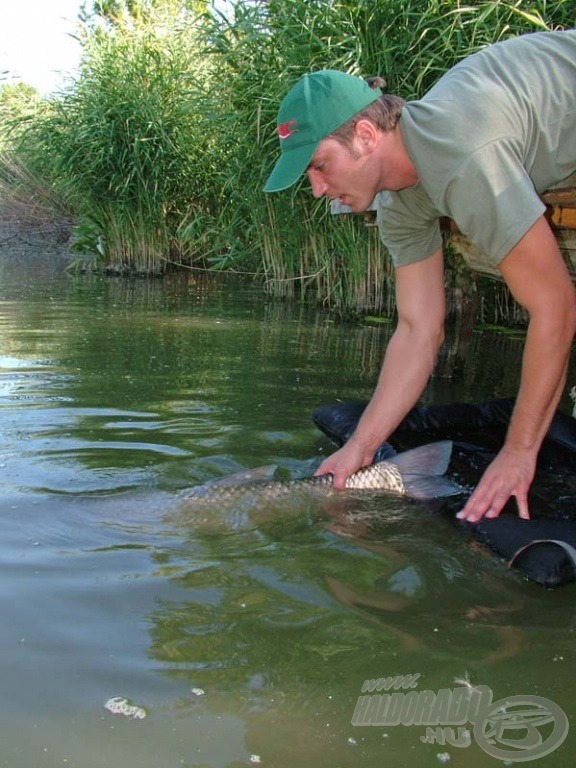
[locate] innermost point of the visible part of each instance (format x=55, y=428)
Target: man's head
x=313, y=109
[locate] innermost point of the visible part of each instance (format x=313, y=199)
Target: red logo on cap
x=285, y=130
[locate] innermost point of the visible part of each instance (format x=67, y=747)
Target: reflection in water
x=117, y=395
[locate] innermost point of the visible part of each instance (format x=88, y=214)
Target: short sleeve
x=408, y=224
x=492, y=200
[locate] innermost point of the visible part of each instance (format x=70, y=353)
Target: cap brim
x=290, y=166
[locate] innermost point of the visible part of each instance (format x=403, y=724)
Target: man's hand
x=510, y=474
x=344, y=463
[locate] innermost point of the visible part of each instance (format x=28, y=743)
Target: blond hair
x=384, y=113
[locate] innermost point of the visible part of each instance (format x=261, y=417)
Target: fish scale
x=384, y=475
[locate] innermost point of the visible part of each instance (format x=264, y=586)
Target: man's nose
x=319, y=186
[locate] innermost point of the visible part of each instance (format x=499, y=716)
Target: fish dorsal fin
x=246, y=476
x=429, y=459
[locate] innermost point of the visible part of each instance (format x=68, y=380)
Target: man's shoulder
x=408, y=224
x=413, y=201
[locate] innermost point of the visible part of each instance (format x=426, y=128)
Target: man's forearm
x=407, y=366
x=544, y=370
x=536, y=274
x=411, y=352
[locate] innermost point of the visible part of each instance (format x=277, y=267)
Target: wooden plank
x=560, y=197
x=562, y=217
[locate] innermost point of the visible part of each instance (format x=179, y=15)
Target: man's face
x=341, y=173
x=354, y=175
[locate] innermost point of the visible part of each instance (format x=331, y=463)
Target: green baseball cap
x=318, y=104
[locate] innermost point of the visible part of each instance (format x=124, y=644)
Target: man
x=495, y=131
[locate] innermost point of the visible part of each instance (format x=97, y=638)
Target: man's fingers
x=474, y=509
x=523, y=509
x=493, y=512
x=478, y=508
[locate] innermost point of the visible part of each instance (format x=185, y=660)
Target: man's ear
x=366, y=135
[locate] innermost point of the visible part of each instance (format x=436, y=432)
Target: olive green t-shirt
x=495, y=131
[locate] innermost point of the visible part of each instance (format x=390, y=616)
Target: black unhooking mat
x=543, y=548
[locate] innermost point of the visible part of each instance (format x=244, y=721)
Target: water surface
x=245, y=637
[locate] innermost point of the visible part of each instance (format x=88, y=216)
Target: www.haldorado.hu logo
x=507, y=729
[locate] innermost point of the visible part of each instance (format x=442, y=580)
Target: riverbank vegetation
x=158, y=151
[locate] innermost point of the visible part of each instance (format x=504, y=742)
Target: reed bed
x=161, y=148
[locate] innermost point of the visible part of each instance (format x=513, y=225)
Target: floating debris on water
x=465, y=682
x=198, y=691
x=119, y=705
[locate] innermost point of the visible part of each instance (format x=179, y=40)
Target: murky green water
x=244, y=636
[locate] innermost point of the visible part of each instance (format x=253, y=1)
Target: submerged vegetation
x=159, y=150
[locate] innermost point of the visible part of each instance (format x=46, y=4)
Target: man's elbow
x=432, y=341
x=424, y=333
x=437, y=336
x=571, y=319
x=551, y=305
x=567, y=316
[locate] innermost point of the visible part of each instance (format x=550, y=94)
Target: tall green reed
x=296, y=244
x=164, y=143
x=124, y=144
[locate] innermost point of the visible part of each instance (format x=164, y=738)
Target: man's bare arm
x=539, y=280
x=408, y=363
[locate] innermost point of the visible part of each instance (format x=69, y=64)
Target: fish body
x=417, y=473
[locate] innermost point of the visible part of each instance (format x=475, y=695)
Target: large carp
x=417, y=473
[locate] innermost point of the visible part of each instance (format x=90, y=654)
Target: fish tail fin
x=422, y=471
x=426, y=460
